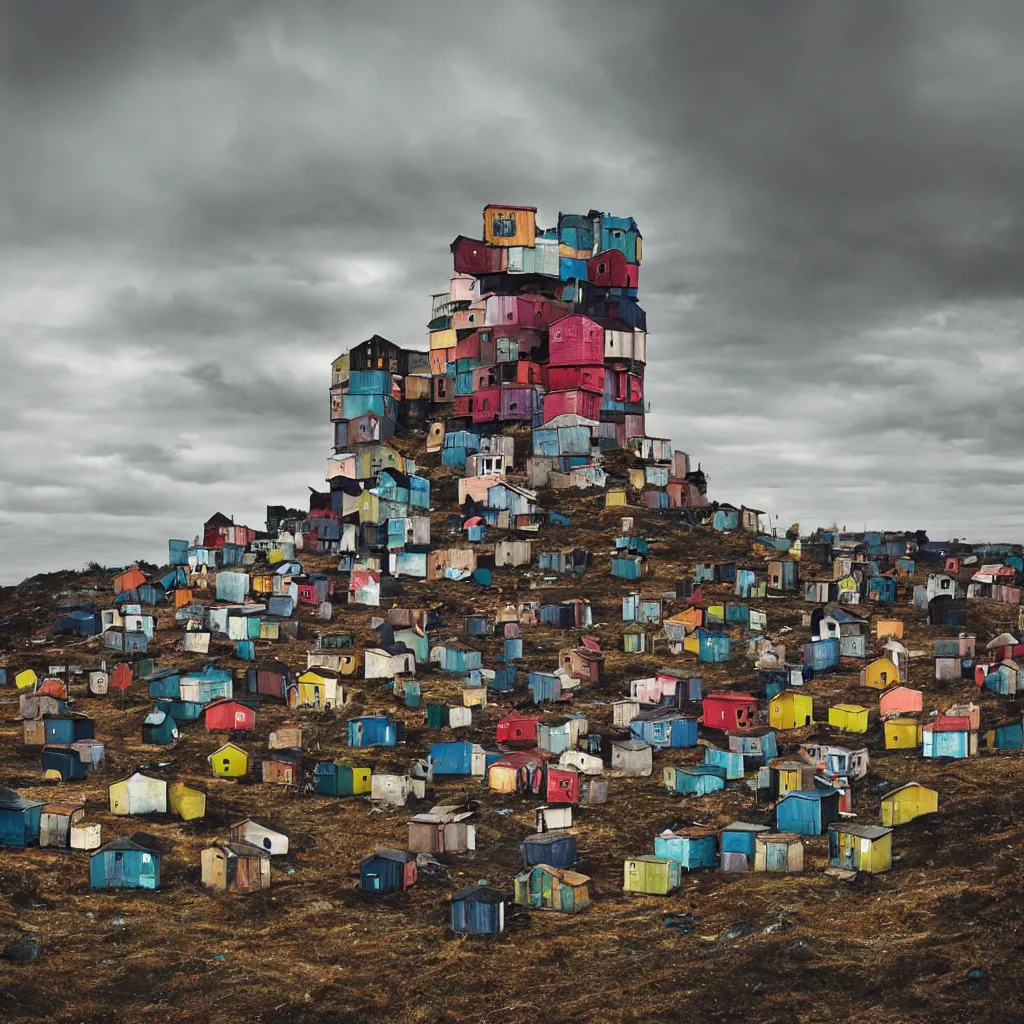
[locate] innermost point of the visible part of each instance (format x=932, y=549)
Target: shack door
x=777, y=857
x=538, y=888
x=147, y=872
x=117, y=871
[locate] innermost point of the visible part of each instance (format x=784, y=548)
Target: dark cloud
x=202, y=203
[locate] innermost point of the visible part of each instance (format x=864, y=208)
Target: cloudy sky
x=202, y=203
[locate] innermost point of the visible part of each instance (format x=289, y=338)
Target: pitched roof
x=240, y=848
x=130, y=843
x=12, y=801
x=863, y=831
x=401, y=856
x=480, y=894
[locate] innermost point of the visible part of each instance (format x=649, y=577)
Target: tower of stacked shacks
x=540, y=337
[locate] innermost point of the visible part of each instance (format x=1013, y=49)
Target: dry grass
x=892, y=948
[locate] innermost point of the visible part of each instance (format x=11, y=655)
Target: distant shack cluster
x=516, y=664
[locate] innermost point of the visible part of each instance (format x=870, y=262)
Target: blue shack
x=746, y=581
x=726, y=519
x=458, y=757
x=478, y=910
x=1007, y=735
x=281, y=606
x=737, y=845
x=63, y=730
x=151, y=593
x=504, y=680
x=335, y=778
x=629, y=567
x=714, y=647
x=544, y=686
x=513, y=648
x=159, y=728
x=1002, y=679
x=176, y=579
x=79, y=622
x=556, y=849
x=821, y=655
x=737, y=615
x=730, y=760
x=387, y=870
x=694, y=780
x=457, y=658
x=165, y=684
x=632, y=545
x=19, y=819
x=207, y=685
x=692, y=848
x=131, y=863
x=182, y=710
x=136, y=642
x=664, y=727
x=66, y=762
x=478, y=625
x=375, y=731
x=882, y=589
x=807, y=812
x=177, y=552
x=945, y=737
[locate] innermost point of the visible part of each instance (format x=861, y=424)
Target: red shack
x=561, y=785
x=517, y=728
x=576, y=340
x=228, y=716
x=583, y=403
x=609, y=269
x=729, y=711
x=474, y=256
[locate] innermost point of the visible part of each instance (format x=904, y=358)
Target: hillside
x=890, y=947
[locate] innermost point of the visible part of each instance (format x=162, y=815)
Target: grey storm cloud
x=203, y=203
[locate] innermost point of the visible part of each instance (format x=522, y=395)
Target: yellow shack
x=655, y=876
x=848, y=717
x=25, y=678
x=229, y=761
x=902, y=733
x=880, y=674
x=907, y=803
x=185, y=801
x=791, y=710
x=860, y=847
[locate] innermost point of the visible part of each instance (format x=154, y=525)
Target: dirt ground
x=890, y=948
